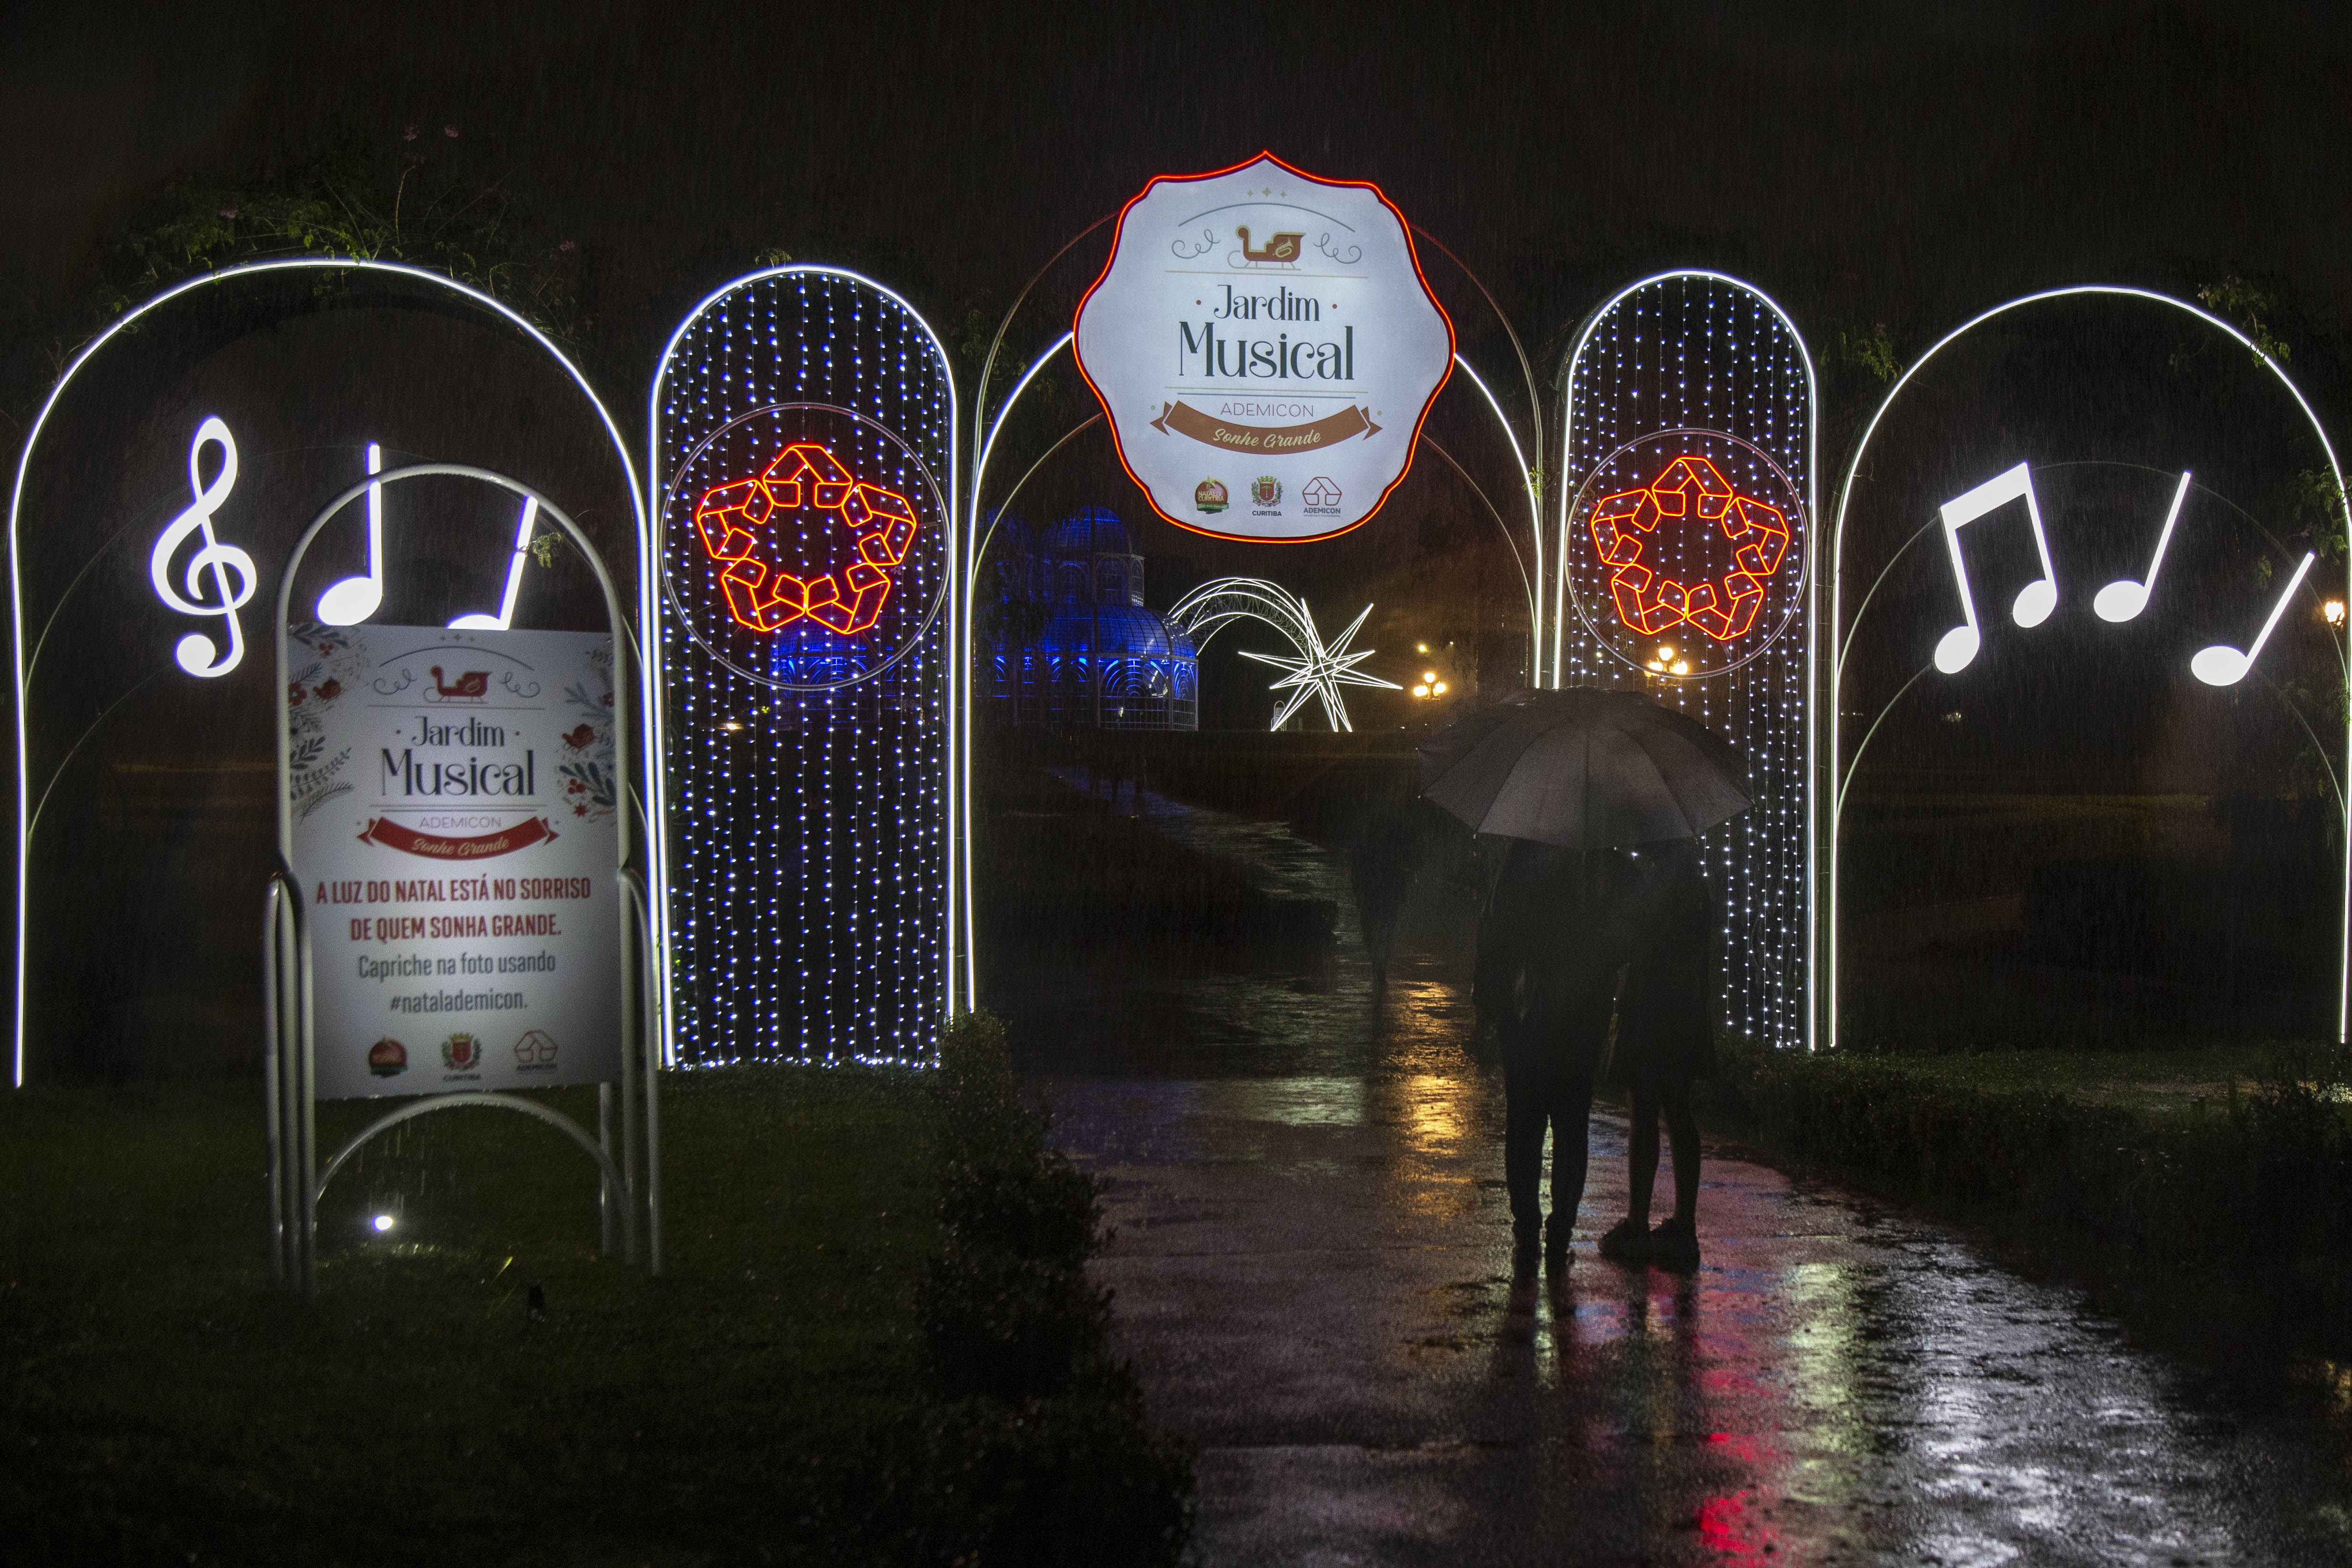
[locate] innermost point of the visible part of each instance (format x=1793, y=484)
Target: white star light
x=1321, y=671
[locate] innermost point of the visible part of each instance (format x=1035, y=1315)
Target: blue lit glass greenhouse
x=1075, y=647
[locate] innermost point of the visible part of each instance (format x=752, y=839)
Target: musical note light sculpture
x=498, y=623
x=2122, y=600
x=231, y=569
x=354, y=599
x=2222, y=664
x=1958, y=647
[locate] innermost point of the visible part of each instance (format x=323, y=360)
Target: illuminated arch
x=16, y=496
x=1568, y=423
x=1826, y=791
x=1783, y=855
x=957, y=772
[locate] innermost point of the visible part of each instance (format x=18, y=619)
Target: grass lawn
x=2162, y=1085
x=2207, y=1192
x=161, y=1402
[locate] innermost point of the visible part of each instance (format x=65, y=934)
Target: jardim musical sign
x=1265, y=348
x=455, y=801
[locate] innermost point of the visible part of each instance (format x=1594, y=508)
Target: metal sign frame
x=288, y=1081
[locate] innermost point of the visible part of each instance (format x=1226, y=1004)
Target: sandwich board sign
x=450, y=920
x=456, y=827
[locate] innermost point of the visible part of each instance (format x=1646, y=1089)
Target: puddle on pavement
x=1313, y=1280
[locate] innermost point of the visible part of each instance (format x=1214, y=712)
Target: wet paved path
x=1313, y=1280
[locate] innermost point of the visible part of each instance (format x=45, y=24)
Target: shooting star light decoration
x=1321, y=669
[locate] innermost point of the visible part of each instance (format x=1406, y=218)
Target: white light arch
x=24, y=465
x=1795, y=764
x=1568, y=423
x=1825, y=799
x=959, y=628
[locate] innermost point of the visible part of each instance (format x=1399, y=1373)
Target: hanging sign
x=1265, y=348
x=455, y=827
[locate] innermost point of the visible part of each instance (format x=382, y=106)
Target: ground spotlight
x=383, y=1222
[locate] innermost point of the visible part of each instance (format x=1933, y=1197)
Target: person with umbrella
x=1665, y=1038
x=1549, y=948
x=1617, y=780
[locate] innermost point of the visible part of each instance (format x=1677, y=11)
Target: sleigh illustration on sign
x=1281, y=250
x=472, y=687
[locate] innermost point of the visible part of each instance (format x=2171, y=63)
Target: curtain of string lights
x=803, y=451
x=1685, y=570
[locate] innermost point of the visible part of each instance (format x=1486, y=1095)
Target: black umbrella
x=1584, y=769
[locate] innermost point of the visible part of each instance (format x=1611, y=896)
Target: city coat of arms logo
x=461, y=1053
x=1266, y=491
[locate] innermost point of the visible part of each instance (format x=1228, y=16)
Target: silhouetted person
x=1550, y=945
x=1381, y=868
x=1494, y=969
x=1665, y=1038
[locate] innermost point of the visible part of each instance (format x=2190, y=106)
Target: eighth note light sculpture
x=1957, y=649
x=2117, y=603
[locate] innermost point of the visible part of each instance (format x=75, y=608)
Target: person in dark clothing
x=1665, y=1038
x=1549, y=950
x=1381, y=870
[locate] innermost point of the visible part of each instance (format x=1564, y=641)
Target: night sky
x=1901, y=165
x=1866, y=165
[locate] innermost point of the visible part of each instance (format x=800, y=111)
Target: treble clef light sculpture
x=233, y=577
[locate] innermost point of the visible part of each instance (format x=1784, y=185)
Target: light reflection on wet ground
x=1312, y=1277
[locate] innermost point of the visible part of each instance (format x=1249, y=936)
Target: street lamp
x=2334, y=611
